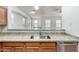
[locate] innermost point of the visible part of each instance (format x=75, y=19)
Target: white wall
x=71, y=19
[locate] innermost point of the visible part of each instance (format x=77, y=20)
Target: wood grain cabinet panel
x=3, y=16
x=0, y=47
x=8, y=49
x=47, y=49
x=32, y=49
x=13, y=44
x=0, y=44
x=32, y=44
x=28, y=47
x=19, y=49
x=48, y=44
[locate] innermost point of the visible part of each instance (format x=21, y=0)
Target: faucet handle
x=48, y=37
x=32, y=37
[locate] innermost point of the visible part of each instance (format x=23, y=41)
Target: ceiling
x=42, y=11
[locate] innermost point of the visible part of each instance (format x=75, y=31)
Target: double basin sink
x=40, y=37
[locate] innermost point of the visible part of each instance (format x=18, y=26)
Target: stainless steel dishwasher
x=67, y=46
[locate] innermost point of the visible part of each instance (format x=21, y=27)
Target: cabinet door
x=32, y=49
x=67, y=47
x=0, y=47
x=48, y=44
x=3, y=16
x=8, y=49
x=19, y=49
x=70, y=48
x=48, y=49
x=13, y=44
x=32, y=44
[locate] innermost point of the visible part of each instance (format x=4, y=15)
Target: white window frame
x=58, y=24
x=48, y=23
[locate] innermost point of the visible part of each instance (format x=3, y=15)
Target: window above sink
x=21, y=20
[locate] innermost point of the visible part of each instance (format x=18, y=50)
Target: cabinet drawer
x=48, y=49
x=50, y=44
x=32, y=44
x=32, y=49
x=19, y=49
x=8, y=44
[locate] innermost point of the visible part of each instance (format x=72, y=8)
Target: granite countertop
x=31, y=31
x=26, y=37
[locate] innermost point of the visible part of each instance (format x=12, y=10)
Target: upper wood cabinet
x=3, y=16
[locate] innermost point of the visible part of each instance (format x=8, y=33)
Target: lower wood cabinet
x=32, y=44
x=19, y=49
x=38, y=47
x=7, y=49
x=48, y=44
x=32, y=49
x=0, y=49
x=28, y=47
x=67, y=47
x=48, y=49
x=13, y=44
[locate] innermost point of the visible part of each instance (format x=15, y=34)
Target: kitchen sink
x=40, y=37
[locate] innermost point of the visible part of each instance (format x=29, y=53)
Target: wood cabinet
x=13, y=44
x=7, y=49
x=41, y=47
x=32, y=44
x=28, y=47
x=38, y=47
x=32, y=49
x=48, y=49
x=48, y=44
x=67, y=47
x=0, y=47
x=19, y=49
x=3, y=16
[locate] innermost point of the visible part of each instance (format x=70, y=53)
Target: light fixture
x=33, y=11
x=36, y=7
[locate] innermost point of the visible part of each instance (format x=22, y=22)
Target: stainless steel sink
x=45, y=37
x=40, y=37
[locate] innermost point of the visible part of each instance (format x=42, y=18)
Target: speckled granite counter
x=23, y=37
